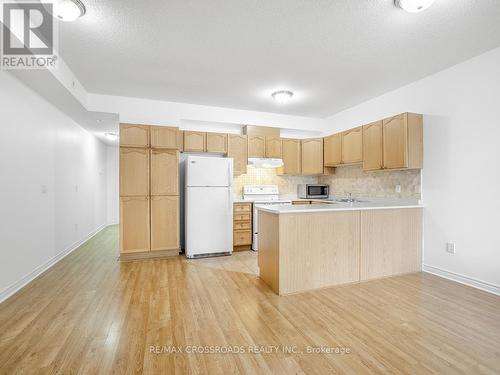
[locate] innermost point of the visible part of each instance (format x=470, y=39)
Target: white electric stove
x=261, y=196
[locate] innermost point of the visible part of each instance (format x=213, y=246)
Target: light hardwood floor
x=91, y=314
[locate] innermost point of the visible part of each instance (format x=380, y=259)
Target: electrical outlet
x=44, y=189
x=450, y=247
x=398, y=188
x=76, y=227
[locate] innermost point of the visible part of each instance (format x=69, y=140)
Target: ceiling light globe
x=282, y=96
x=414, y=6
x=69, y=10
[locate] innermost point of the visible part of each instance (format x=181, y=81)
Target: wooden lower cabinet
x=134, y=224
x=391, y=242
x=242, y=226
x=165, y=223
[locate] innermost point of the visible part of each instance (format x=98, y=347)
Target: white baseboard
x=15, y=287
x=462, y=279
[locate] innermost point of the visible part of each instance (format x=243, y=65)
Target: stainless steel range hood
x=265, y=163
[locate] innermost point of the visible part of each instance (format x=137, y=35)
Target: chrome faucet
x=350, y=200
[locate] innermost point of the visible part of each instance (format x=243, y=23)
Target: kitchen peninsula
x=308, y=247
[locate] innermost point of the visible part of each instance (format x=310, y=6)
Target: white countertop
x=356, y=206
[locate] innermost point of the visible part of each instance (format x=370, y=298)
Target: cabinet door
x=164, y=137
x=164, y=223
x=273, y=147
x=352, y=146
x=395, y=142
x=291, y=156
x=217, y=142
x=134, y=171
x=237, y=148
x=134, y=135
x=312, y=156
x=256, y=146
x=333, y=150
x=134, y=224
x=194, y=141
x=391, y=242
x=164, y=172
x=372, y=146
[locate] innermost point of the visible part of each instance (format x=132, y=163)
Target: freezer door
x=209, y=220
x=208, y=171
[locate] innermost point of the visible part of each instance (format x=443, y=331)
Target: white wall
x=156, y=112
x=461, y=178
x=113, y=186
x=53, y=188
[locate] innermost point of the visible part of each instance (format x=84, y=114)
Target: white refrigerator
x=208, y=206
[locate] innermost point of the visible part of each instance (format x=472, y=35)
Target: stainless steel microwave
x=311, y=191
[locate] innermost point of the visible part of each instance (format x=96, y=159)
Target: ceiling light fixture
x=69, y=10
x=111, y=136
x=414, y=6
x=282, y=96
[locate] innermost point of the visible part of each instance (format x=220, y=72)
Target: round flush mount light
x=69, y=10
x=414, y=6
x=111, y=136
x=282, y=96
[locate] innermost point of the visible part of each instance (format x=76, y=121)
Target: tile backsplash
x=347, y=179
x=267, y=176
x=375, y=184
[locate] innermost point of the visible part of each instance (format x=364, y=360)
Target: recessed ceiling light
x=414, y=6
x=282, y=96
x=111, y=136
x=69, y=10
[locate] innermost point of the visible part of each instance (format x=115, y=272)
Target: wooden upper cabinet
x=164, y=172
x=352, y=146
x=194, y=141
x=217, y=142
x=164, y=137
x=134, y=135
x=237, y=148
x=333, y=150
x=372, y=146
x=164, y=223
x=256, y=146
x=312, y=156
x=291, y=156
x=403, y=141
x=134, y=224
x=273, y=147
x=134, y=171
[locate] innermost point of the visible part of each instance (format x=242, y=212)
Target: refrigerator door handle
x=229, y=174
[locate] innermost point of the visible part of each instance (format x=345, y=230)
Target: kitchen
x=196, y=205
x=270, y=187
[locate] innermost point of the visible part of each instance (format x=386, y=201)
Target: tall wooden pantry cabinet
x=149, y=191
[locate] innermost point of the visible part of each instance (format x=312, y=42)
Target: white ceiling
x=230, y=53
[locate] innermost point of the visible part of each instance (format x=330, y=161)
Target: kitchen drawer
x=242, y=238
x=242, y=225
x=242, y=216
x=247, y=207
